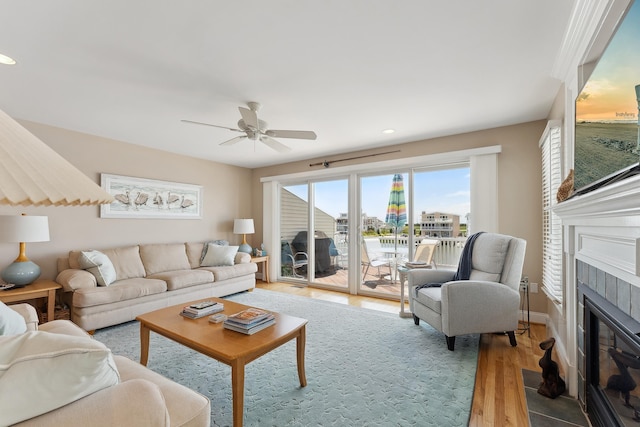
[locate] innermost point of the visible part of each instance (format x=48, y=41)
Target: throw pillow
x=42, y=371
x=11, y=322
x=213, y=242
x=219, y=255
x=99, y=265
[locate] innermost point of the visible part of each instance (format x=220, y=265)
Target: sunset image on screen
x=607, y=123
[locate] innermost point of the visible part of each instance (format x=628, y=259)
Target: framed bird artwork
x=150, y=198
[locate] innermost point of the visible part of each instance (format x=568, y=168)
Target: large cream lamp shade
x=32, y=174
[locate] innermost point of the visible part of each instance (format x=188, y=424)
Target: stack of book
x=249, y=321
x=201, y=309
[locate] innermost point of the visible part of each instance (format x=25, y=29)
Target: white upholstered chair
x=488, y=302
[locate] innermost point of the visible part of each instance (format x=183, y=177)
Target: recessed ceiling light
x=6, y=60
x=388, y=131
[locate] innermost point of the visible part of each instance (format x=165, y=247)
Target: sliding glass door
x=385, y=232
x=357, y=233
x=317, y=254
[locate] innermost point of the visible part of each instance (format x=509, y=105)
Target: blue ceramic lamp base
x=21, y=273
x=245, y=247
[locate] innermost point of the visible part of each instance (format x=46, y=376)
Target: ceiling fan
x=256, y=129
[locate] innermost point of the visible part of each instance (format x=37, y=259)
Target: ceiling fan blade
x=270, y=142
x=297, y=134
x=209, y=124
x=233, y=140
x=250, y=117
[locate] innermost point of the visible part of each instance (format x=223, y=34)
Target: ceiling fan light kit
x=257, y=130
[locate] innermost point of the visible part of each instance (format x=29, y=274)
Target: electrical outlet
x=533, y=288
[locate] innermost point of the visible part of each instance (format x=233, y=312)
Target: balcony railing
x=447, y=253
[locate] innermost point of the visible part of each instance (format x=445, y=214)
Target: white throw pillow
x=11, y=322
x=212, y=242
x=99, y=265
x=219, y=255
x=42, y=371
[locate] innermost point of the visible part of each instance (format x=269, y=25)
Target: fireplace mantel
x=603, y=228
x=619, y=200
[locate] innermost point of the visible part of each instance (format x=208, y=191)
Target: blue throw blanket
x=464, y=265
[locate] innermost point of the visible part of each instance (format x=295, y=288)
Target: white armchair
x=488, y=302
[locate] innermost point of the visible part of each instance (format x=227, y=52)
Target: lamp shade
x=24, y=228
x=32, y=173
x=243, y=226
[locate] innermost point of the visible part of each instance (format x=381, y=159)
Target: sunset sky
x=611, y=87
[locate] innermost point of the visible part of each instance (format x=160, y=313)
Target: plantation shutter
x=551, y=224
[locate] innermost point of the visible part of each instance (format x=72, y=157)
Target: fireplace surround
x=601, y=250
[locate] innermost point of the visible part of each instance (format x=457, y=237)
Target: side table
x=38, y=289
x=264, y=260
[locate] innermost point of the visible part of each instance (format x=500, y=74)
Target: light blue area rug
x=364, y=368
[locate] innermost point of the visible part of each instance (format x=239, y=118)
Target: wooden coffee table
x=233, y=348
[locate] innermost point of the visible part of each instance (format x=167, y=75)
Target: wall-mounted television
x=607, y=131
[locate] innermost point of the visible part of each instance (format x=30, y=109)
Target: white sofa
x=148, y=277
x=85, y=384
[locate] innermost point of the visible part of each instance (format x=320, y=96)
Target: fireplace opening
x=612, y=353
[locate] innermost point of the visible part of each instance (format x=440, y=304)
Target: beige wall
x=226, y=195
x=519, y=181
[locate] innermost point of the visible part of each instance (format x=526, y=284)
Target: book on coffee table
x=196, y=311
x=252, y=328
x=248, y=316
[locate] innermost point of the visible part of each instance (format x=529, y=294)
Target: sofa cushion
x=120, y=290
x=126, y=261
x=98, y=264
x=194, y=253
x=219, y=255
x=213, y=242
x=164, y=257
x=11, y=322
x=183, y=278
x=40, y=372
x=229, y=272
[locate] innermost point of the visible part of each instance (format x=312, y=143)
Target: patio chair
x=425, y=251
x=298, y=261
x=369, y=261
x=488, y=302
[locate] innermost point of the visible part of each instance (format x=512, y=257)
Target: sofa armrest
x=242, y=258
x=132, y=403
x=29, y=313
x=72, y=279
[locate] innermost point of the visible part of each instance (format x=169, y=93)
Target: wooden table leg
x=300, y=343
x=144, y=344
x=265, y=270
x=51, y=305
x=237, y=387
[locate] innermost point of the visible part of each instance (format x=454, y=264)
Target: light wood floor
x=499, y=393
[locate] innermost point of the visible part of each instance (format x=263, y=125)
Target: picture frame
x=150, y=198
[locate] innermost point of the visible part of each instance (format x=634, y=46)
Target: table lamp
x=244, y=227
x=23, y=229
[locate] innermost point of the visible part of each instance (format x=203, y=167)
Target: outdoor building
x=439, y=224
x=294, y=213
x=342, y=224
x=372, y=223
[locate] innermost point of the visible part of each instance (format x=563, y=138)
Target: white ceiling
x=131, y=70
